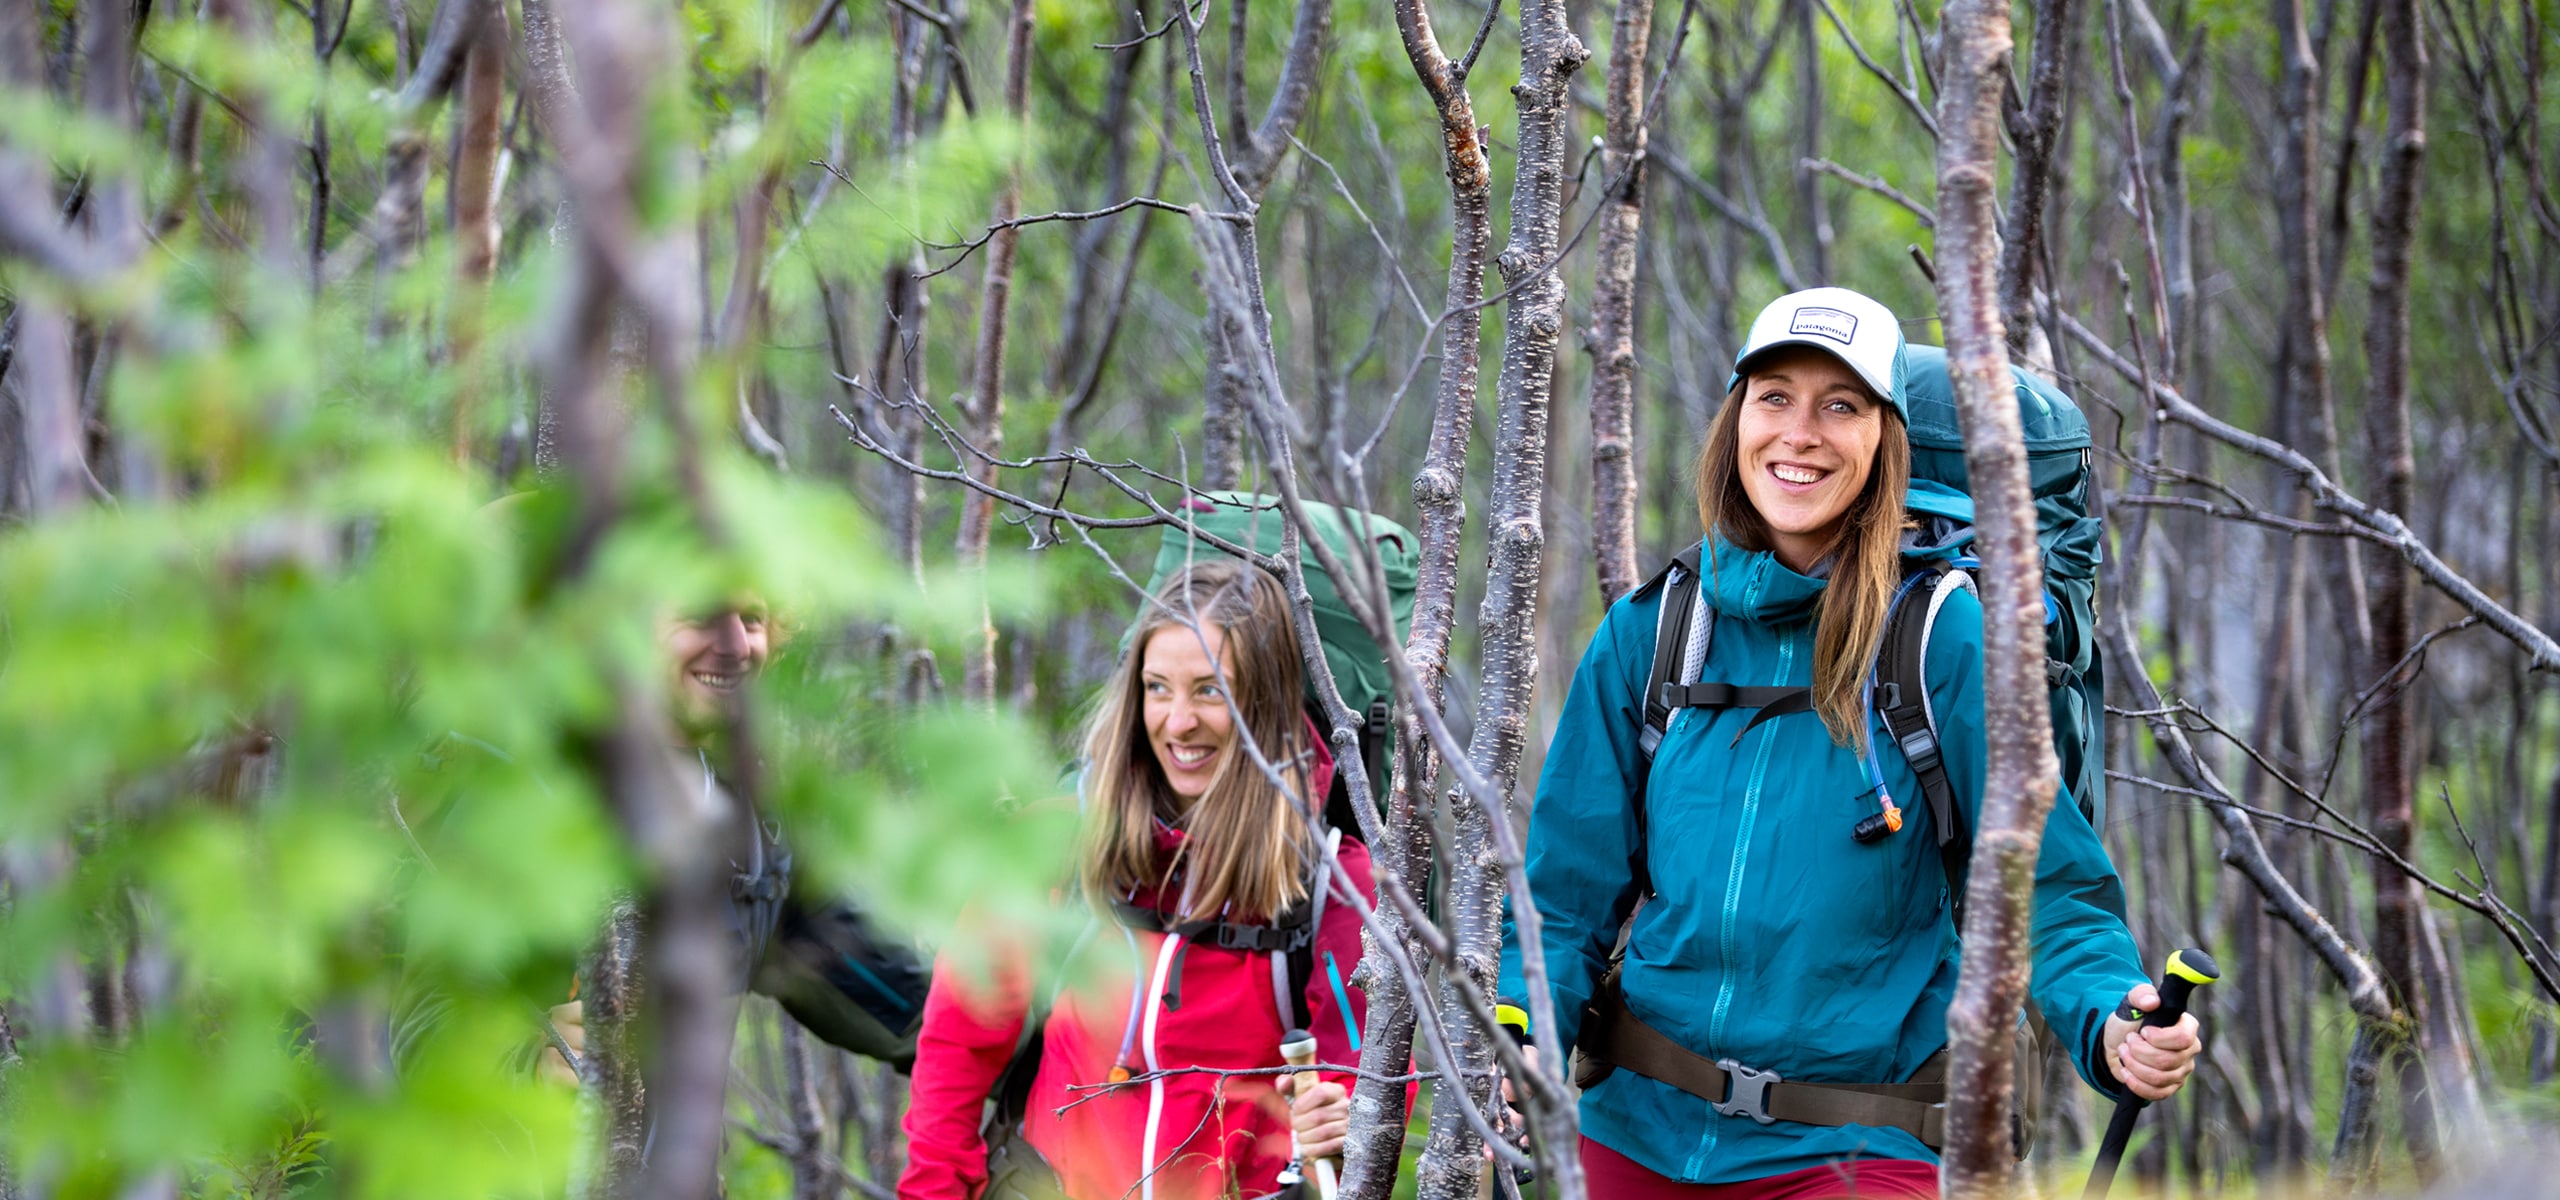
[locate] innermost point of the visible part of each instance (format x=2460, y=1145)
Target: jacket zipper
x=1734, y=875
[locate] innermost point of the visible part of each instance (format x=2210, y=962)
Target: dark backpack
x=840, y=976
x=1359, y=664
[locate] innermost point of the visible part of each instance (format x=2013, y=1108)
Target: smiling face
x=1808, y=430
x=1188, y=724
x=713, y=657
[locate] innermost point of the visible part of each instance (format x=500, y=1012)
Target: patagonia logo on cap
x=1832, y=323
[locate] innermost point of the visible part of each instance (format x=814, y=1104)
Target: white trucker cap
x=1853, y=328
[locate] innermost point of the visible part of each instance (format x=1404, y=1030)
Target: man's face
x=713, y=657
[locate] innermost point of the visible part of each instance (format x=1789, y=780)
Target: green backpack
x=1359, y=664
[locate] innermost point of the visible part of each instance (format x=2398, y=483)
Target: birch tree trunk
x=1817, y=212
x=1378, y=1111
x=2021, y=773
x=48, y=396
x=475, y=206
x=985, y=413
x=1532, y=325
x=2399, y=907
x=901, y=362
x=2303, y=349
x=1613, y=308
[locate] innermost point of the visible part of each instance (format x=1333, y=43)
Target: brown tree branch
x=2057, y=50
x=475, y=208
x=1901, y=89
x=1378, y=1112
x=1257, y=159
x=1613, y=306
x=1824, y=166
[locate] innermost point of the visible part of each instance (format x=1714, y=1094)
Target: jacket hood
x=1754, y=585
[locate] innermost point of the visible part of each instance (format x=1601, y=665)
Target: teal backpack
x=2058, y=469
x=1359, y=664
x=2058, y=475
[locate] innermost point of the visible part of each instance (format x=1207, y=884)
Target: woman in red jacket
x=1221, y=930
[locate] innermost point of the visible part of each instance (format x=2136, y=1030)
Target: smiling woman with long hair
x=1776, y=1022
x=1202, y=781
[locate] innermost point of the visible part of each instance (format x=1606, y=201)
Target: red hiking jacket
x=1177, y=1003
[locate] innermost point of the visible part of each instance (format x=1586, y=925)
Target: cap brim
x=1882, y=388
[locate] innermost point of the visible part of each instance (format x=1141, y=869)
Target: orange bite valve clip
x=1874, y=828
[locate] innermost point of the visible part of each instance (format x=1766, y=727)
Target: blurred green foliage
x=298, y=748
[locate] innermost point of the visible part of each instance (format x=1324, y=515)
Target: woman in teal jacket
x=1774, y=940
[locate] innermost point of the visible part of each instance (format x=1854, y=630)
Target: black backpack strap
x=1671, y=624
x=1902, y=699
x=1771, y=701
x=1137, y=916
x=1292, y=969
x=1012, y=1090
x=1294, y=931
x=1673, y=621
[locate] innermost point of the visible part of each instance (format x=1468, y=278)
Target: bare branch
x=2542, y=653
x=1902, y=91
x=1824, y=166
x=1258, y=158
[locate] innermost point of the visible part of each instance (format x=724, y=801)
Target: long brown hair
x=1865, y=562
x=1245, y=847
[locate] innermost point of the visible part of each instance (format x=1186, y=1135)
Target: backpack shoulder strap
x=1902, y=699
x=1294, y=964
x=1682, y=629
x=1674, y=647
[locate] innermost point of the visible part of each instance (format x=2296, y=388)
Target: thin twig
x=1872, y=183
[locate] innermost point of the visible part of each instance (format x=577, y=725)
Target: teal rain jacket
x=1775, y=939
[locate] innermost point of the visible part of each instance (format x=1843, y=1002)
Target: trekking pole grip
x=2185, y=971
x=1298, y=1049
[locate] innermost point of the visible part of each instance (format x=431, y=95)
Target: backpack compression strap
x=1902, y=699
x=1294, y=931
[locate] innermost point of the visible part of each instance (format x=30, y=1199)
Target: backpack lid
x=2051, y=421
x=1255, y=522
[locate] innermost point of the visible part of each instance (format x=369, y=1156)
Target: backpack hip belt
x=1614, y=1036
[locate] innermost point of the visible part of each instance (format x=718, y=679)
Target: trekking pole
x=1515, y=1022
x=1298, y=1048
x=2186, y=971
